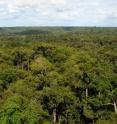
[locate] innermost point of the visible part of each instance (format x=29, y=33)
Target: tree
x=58, y=101
x=22, y=57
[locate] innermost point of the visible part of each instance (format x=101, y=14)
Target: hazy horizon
x=58, y=26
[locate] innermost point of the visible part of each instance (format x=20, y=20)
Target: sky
x=58, y=13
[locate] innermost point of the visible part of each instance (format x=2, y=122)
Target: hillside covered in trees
x=59, y=75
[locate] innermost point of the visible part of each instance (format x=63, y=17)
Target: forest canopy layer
x=61, y=75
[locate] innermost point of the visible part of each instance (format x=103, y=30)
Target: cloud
x=59, y=10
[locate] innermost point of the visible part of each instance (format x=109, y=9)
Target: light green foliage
x=40, y=66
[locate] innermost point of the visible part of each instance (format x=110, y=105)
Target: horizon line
x=51, y=26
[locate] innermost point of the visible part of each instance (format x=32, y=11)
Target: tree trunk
x=86, y=92
x=115, y=107
x=99, y=94
x=28, y=64
x=66, y=118
x=54, y=115
x=59, y=119
x=93, y=121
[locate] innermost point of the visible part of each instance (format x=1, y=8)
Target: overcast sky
x=58, y=13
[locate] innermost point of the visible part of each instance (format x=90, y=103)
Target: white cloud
x=97, y=10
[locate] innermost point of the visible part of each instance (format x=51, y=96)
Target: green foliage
x=40, y=66
x=56, y=75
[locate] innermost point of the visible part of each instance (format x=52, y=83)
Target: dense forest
x=59, y=75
